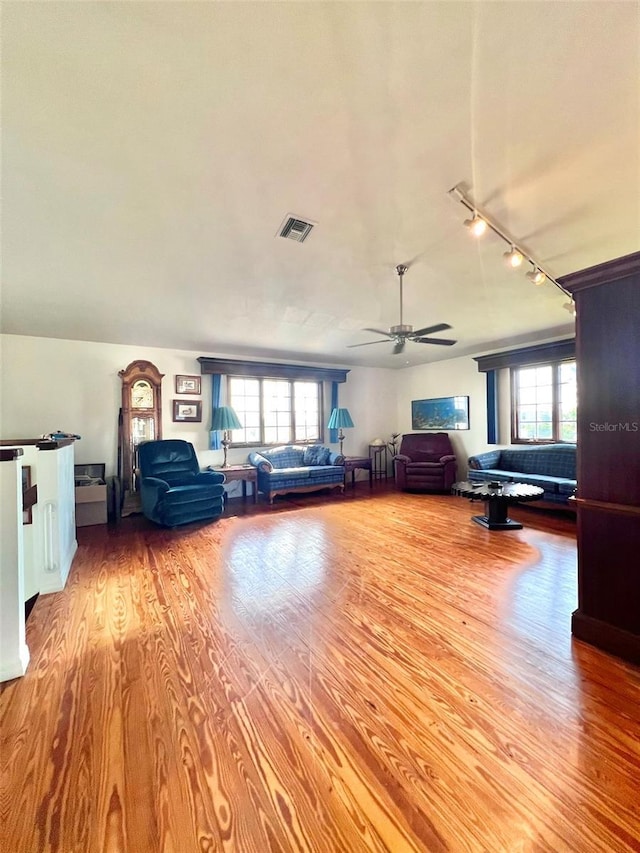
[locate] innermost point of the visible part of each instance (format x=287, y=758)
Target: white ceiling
x=152, y=150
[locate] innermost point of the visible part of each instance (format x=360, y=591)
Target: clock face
x=141, y=395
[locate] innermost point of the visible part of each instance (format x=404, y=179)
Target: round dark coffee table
x=497, y=498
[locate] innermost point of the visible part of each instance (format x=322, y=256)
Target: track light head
x=570, y=307
x=536, y=276
x=477, y=225
x=513, y=258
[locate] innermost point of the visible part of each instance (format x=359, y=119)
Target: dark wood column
x=608, y=500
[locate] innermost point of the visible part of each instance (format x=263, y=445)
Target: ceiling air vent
x=295, y=229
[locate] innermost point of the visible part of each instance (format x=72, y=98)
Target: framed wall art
x=440, y=413
x=188, y=384
x=187, y=411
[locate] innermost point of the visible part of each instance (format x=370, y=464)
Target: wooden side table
x=245, y=473
x=353, y=462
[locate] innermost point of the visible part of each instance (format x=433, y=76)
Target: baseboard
x=17, y=667
x=607, y=637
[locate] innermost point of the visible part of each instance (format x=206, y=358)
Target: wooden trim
x=11, y=455
x=619, y=509
x=539, y=354
x=605, y=636
x=624, y=267
x=40, y=443
x=270, y=370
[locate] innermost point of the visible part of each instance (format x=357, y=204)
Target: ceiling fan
x=403, y=333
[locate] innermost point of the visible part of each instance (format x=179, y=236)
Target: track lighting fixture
x=536, y=275
x=515, y=256
x=570, y=307
x=477, y=225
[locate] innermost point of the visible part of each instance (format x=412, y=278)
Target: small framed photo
x=188, y=384
x=187, y=411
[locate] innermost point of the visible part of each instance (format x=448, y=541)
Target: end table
x=246, y=473
x=353, y=462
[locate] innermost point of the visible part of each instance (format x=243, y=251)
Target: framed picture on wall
x=188, y=384
x=440, y=413
x=187, y=411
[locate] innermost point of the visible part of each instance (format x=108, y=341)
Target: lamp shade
x=340, y=418
x=224, y=418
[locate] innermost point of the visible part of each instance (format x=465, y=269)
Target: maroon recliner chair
x=426, y=462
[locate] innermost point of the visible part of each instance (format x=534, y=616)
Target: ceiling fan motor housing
x=402, y=329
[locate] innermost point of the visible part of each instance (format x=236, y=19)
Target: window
x=544, y=402
x=275, y=411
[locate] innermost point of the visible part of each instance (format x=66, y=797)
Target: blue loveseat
x=295, y=468
x=550, y=466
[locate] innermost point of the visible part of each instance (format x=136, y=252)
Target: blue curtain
x=492, y=406
x=333, y=433
x=216, y=400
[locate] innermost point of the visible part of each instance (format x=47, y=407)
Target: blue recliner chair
x=172, y=487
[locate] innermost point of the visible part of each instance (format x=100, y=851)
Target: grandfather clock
x=141, y=416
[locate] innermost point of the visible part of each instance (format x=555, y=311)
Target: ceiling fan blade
x=378, y=332
x=368, y=343
x=439, y=327
x=399, y=347
x=443, y=342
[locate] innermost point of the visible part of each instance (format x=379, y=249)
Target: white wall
x=50, y=384
x=452, y=378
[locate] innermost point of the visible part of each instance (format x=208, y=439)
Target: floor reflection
x=268, y=567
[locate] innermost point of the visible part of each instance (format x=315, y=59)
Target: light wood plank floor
x=333, y=674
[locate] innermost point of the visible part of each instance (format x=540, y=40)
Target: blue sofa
x=295, y=468
x=550, y=466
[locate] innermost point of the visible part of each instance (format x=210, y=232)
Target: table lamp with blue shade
x=224, y=420
x=340, y=419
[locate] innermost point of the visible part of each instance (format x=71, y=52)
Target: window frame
x=292, y=424
x=555, y=401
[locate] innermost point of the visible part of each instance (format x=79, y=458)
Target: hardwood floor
x=371, y=672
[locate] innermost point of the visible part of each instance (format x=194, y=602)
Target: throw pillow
x=316, y=455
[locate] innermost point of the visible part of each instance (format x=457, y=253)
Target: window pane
x=544, y=375
x=527, y=377
x=276, y=397
x=306, y=411
x=544, y=431
x=543, y=414
x=244, y=398
x=527, y=414
x=527, y=431
x=269, y=408
x=545, y=392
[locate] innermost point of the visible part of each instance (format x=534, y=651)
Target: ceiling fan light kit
x=515, y=256
x=402, y=332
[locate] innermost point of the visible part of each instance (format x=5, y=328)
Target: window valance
x=271, y=370
x=539, y=354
